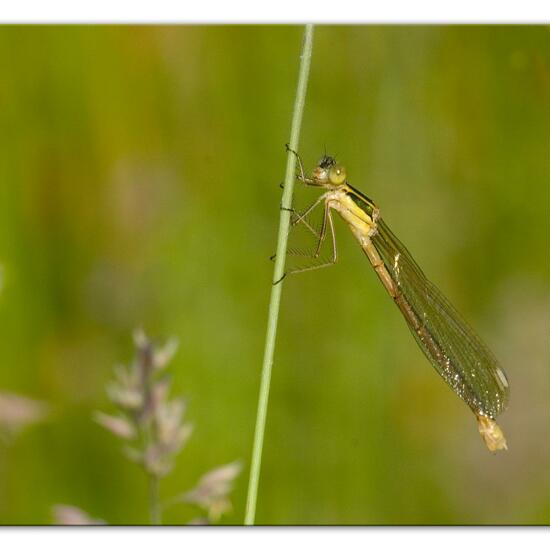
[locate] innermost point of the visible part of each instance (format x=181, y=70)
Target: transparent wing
x=456, y=352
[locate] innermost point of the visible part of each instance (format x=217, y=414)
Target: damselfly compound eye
x=337, y=174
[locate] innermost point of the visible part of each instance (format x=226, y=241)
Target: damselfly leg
x=313, y=254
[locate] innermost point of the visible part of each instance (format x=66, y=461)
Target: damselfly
x=452, y=347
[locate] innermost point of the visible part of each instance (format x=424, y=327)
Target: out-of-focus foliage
x=17, y=412
x=139, y=186
x=71, y=515
x=211, y=493
x=154, y=424
x=147, y=417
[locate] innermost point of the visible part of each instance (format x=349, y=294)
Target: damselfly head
x=327, y=173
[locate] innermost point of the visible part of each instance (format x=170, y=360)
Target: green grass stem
x=278, y=272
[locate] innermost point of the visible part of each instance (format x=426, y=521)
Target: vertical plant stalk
x=278, y=272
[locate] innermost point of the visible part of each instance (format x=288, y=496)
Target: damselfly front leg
x=302, y=176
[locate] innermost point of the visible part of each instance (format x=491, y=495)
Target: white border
x=267, y=538
x=277, y=11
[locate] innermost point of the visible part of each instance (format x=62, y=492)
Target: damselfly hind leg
x=301, y=218
x=327, y=223
x=314, y=254
x=298, y=217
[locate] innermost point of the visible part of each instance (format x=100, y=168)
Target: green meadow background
x=139, y=187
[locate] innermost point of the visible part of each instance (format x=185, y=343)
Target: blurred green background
x=139, y=186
